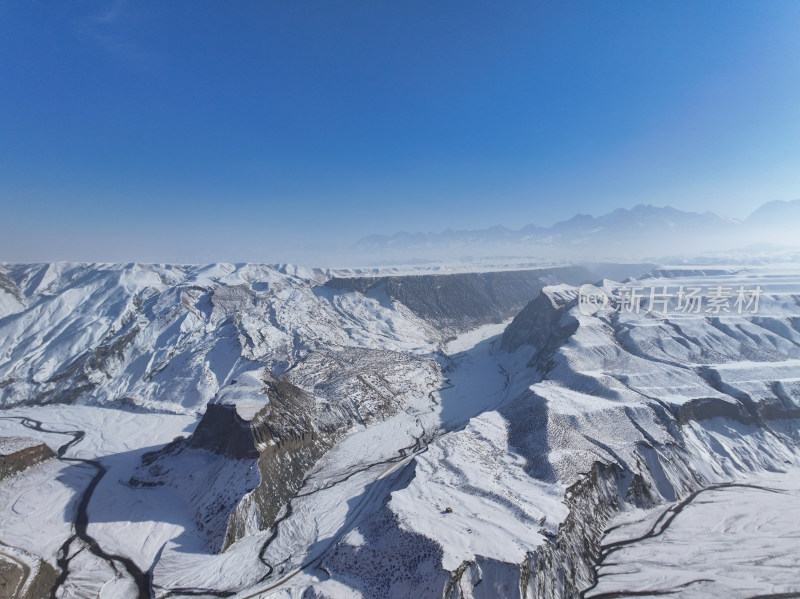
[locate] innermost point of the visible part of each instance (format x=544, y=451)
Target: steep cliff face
x=262, y=434
x=283, y=468
x=289, y=436
x=565, y=566
x=484, y=578
x=458, y=302
x=706, y=408
x=237, y=472
x=223, y=432
x=19, y=453
x=544, y=324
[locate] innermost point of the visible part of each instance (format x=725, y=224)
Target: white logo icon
x=591, y=299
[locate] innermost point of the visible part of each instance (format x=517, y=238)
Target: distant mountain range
x=641, y=231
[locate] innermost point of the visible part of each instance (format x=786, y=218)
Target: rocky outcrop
x=296, y=427
x=23, y=575
x=705, y=408
x=261, y=435
x=484, y=578
x=564, y=566
x=458, y=302
x=283, y=468
x=289, y=440
x=543, y=324
x=19, y=453
x=255, y=465
x=222, y=431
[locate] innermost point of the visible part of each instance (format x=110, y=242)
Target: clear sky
x=233, y=130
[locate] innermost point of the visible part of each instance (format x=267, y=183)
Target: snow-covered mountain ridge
x=386, y=437
x=169, y=337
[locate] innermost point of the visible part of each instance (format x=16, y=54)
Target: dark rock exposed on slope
x=19, y=453
x=458, y=302
x=222, y=431
x=543, y=324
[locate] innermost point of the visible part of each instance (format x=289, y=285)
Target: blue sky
x=195, y=131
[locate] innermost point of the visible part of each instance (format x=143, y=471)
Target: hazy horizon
x=453, y=246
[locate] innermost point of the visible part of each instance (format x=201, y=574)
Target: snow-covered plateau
x=273, y=431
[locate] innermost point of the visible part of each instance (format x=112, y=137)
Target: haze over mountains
x=643, y=232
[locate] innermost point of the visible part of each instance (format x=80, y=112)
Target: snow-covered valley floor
x=98, y=449
x=733, y=540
